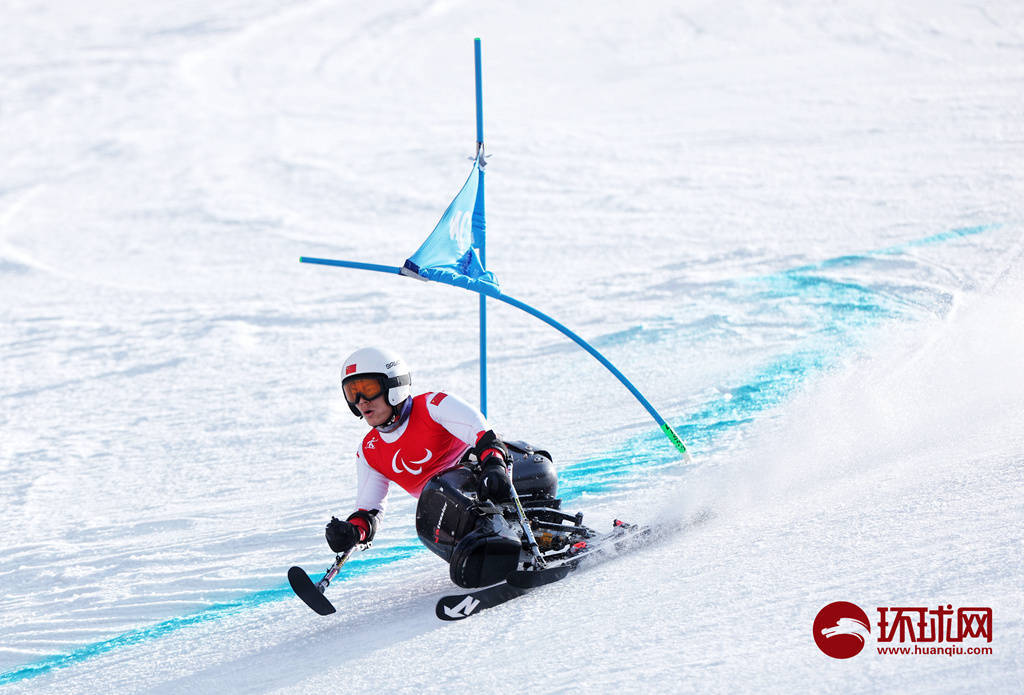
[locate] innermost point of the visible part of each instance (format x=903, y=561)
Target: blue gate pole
x=479, y=230
x=479, y=97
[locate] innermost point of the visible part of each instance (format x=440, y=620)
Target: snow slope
x=797, y=227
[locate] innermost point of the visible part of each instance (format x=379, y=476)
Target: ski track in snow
x=796, y=227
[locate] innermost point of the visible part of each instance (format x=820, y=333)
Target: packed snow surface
x=797, y=226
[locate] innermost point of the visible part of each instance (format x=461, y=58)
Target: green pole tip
x=676, y=441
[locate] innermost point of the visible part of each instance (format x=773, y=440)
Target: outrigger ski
x=305, y=589
x=313, y=594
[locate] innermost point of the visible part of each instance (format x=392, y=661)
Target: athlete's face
x=376, y=411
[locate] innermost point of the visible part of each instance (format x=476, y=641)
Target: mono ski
x=520, y=582
x=460, y=606
x=622, y=538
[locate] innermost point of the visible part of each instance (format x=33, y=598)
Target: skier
x=423, y=443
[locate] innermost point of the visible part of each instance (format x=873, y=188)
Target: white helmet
x=386, y=367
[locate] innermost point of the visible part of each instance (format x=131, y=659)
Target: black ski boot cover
x=486, y=555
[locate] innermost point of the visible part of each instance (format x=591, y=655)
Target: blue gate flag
x=451, y=253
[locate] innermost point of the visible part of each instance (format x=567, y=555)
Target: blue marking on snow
x=835, y=308
x=38, y=668
x=357, y=566
x=731, y=409
x=942, y=237
x=836, y=311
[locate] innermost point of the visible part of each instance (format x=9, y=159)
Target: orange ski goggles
x=367, y=387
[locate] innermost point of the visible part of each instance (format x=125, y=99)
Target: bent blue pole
x=666, y=429
x=354, y=264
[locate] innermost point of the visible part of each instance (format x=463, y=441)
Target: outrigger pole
x=487, y=289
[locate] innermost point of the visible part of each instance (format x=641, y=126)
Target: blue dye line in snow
x=841, y=310
x=357, y=566
x=941, y=238
x=840, y=307
x=732, y=409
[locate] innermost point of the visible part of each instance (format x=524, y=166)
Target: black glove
x=489, y=445
x=341, y=535
x=495, y=483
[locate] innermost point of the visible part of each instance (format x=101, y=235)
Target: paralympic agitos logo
x=842, y=629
